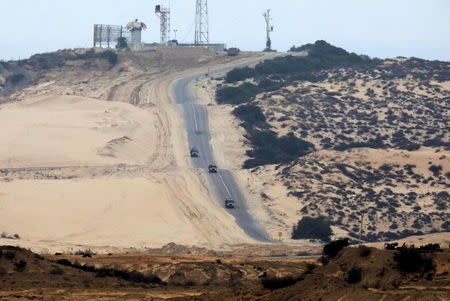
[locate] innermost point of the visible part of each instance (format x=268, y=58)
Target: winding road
x=223, y=183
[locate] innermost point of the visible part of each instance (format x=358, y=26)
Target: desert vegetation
x=326, y=119
x=312, y=228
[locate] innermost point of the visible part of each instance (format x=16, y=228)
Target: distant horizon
x=113, y=48
x=381, y=29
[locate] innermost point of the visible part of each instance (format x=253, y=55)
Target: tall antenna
x=164, y=16
x=269, y=29
x=201, y=22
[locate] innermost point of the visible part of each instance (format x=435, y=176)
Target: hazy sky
x=378, y=28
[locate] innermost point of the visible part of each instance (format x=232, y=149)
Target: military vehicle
x=194, y=152
x=233, y=51
x=212, y=168
x=229, y=204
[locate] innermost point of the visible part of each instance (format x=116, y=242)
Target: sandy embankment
x=162, y=202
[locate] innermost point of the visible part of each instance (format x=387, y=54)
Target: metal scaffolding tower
x=201, y=22
x=269, y=29
x=164, y=16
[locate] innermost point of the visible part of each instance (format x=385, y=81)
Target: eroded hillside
x=352, y=274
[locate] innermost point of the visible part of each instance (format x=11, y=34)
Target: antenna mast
x=201, y=22
x=164, y=15
x=269, y=29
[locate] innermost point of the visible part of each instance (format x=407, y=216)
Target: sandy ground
x=120, y=212
x=129, y=185
x=75, y=131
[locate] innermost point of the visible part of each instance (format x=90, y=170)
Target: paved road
x=223, y=183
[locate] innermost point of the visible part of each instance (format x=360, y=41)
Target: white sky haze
x=377, y=28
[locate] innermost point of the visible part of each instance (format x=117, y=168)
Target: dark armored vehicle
x=212, y=168
x=194, y=152
x=229, y=204
x=233, y=51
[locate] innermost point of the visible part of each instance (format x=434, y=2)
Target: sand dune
x=129, y=183
x=73, y=131
x=122, y=212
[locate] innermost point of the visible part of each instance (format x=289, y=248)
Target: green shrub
x=64, y=261
x=237, y=95
x=110, y=55
x=410, y=260
x=268, y=148
x=333, y=248
x=15, y=78
x=312, y=228
x=20, y=266
x=249, y=114
x=435, y=169
x=274, y=283
x=354, y=275
x=239, y=74
x=269, y=85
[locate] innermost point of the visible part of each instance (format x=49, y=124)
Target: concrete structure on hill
x=136, y=27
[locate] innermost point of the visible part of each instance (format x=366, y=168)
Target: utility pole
x=201, y=22
x=269, y=29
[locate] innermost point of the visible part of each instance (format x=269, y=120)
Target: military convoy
x=212, y=168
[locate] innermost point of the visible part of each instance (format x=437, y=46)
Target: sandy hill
x=95, y=153
x=338, y=135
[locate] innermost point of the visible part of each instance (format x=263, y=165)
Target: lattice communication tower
x=201, y=22
x=164, y=16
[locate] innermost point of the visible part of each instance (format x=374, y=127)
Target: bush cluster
x=239, y=74
x=333, y=248
x=411, y=260
x=274, y=283
x=312, y=228
x=268, y=148
x=20, y=266
x=321, y=55
x=15, y=78
x=250, y=114
x=58, y=59
x=354, y=275
x=133, y=276
x=237, y=95
x=290, y=68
